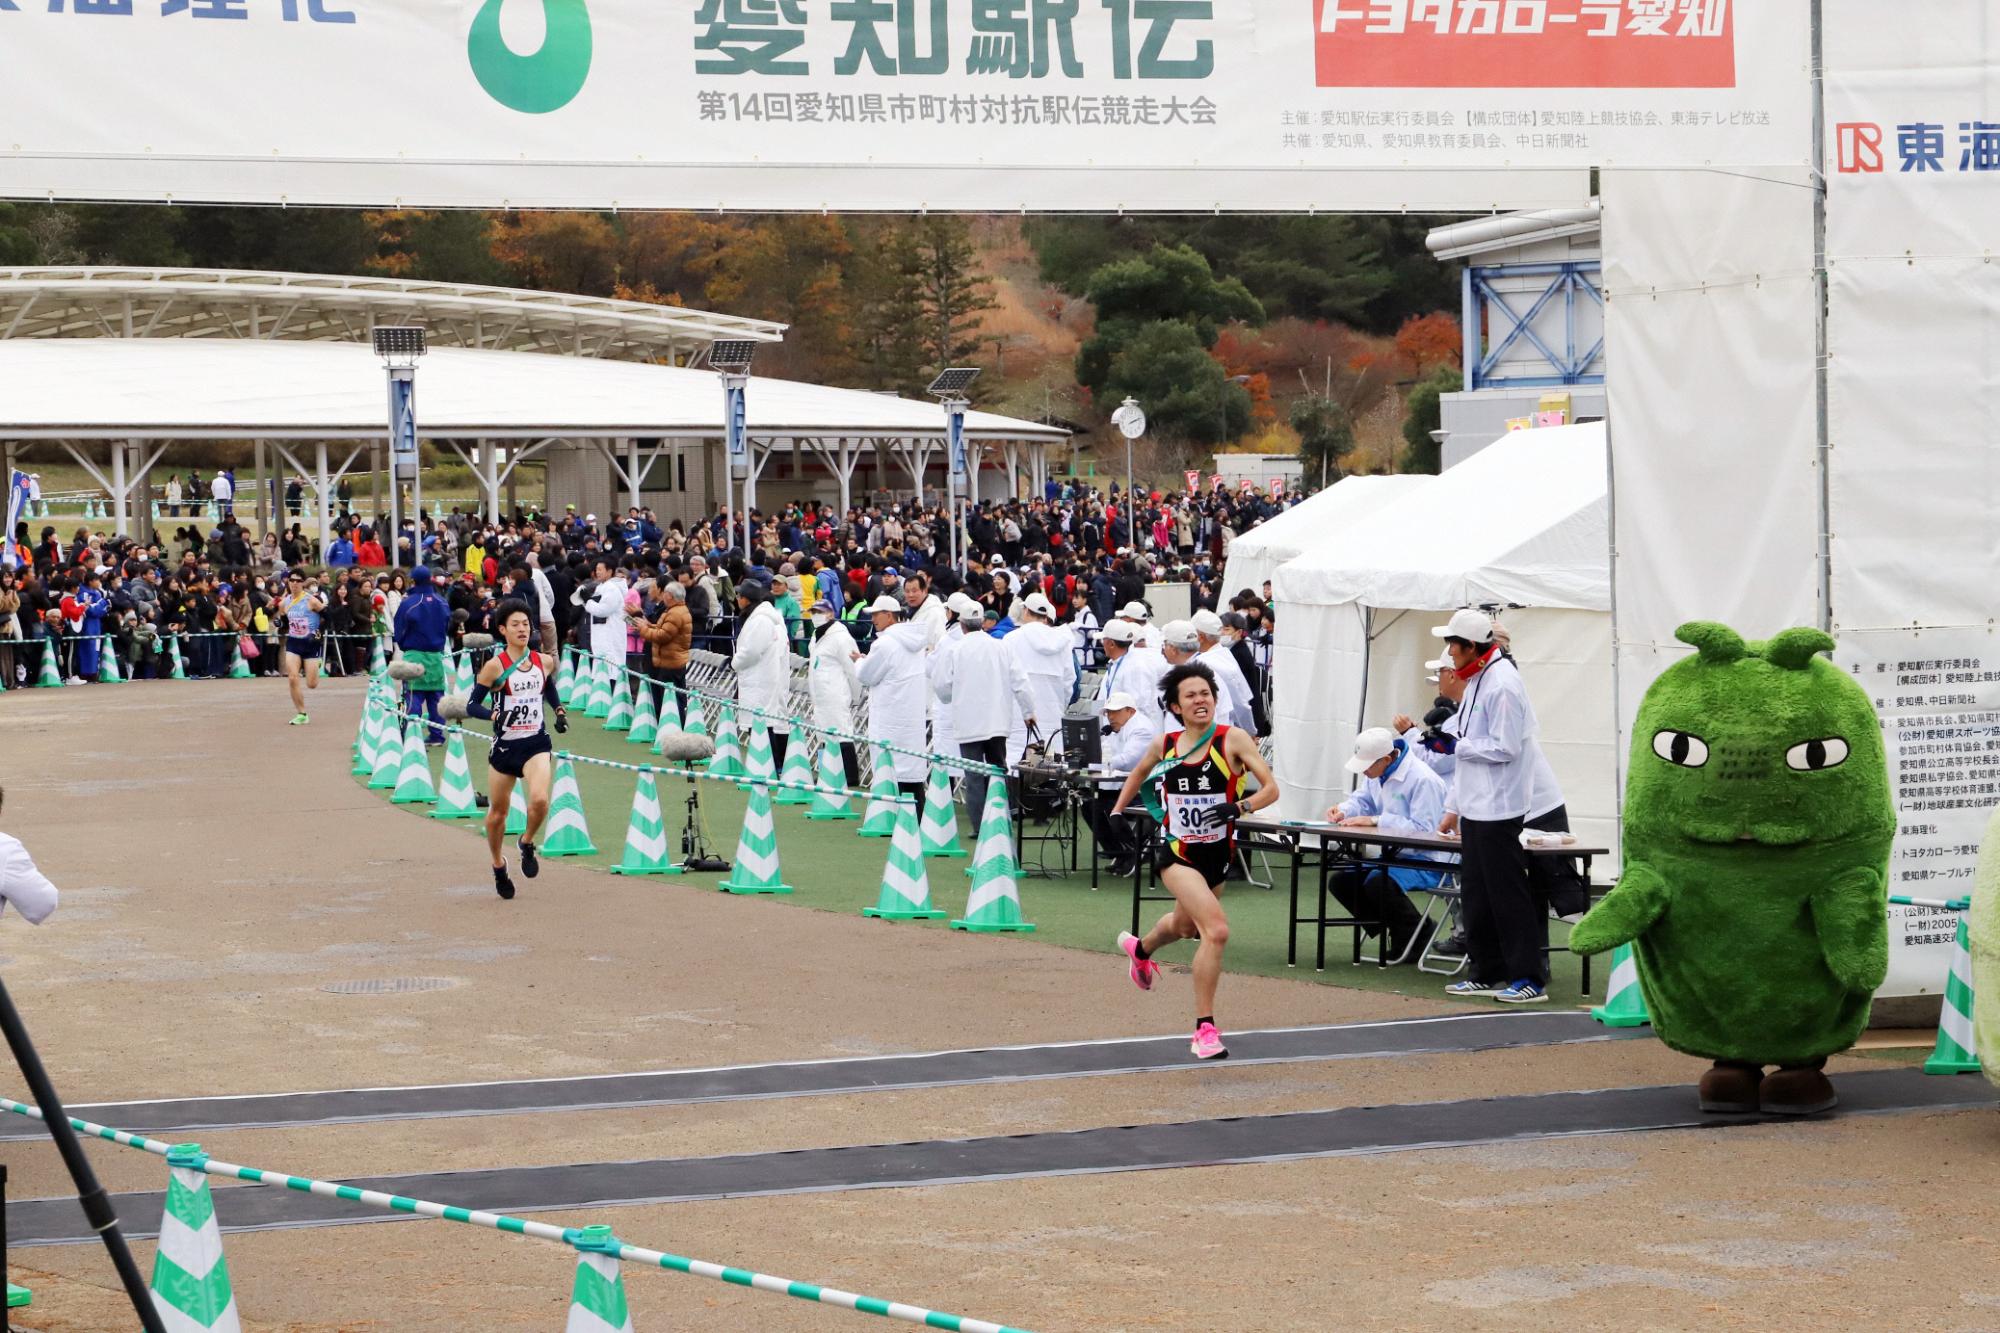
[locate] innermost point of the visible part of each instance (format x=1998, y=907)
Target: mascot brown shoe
x=1730, y=1088
x=1799, y=1090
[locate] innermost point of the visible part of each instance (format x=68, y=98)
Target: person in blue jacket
x=89, y=639
x=340, y=555
x=423, y=623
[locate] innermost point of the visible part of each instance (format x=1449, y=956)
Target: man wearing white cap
x=1208, y=632
x=1133, y=669
x=833, y=683
x=1403, y=797
x=1128, y=735
x=1141, y=620
x=1493, y=741
x=988, y=698
x=1180, y=643
x=898, y=692
x=1043, y=649
x=963, y=617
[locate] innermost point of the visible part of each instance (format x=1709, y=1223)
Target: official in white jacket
x=990, y=701
x=1128, y=736
x=1179, y=644
x=966, y=617
x=1042, y=647
x=898, y=690
x=606, y=608
x=1401, y=796
x=833, y=682
x=21, y=883
x=1140, y=619
x=1134, y=670
x=763, y=662
x=1218, y=658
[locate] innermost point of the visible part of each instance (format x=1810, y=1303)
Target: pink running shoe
x=1143, y=970
x=1207, y=1044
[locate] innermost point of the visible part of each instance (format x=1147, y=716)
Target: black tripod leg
x=96, y=1203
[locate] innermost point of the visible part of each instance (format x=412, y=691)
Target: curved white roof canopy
x=213, y=388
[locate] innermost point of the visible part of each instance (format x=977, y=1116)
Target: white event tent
x=1255, y=555
x=1522, y=526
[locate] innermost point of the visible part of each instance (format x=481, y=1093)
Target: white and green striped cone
x=179, y=671
x=455, y=797
x=757, y=759
x=364, y=741
x=906, y=884
x=599, y=703
x=466, y=677
x=994, y=904
x=597, y=1301
x=413, y=782
x=728, y=759
x=566, y=833
x=757, y=869
x=1957, y=1050
x=1624, y=1002
x=17, y=1297
x=238, y=668
x=830, y=800
x=49, y=677
x=378, y=659
x=797, y=778
x=191, y=1287
x=879, y=820
x=940, y=822
x=388, y=756
x=645, y=726
x=517, y=814
x=696, y=722
x=619, y=718
x=646, y=834
x=566, y=678
x=107, y=664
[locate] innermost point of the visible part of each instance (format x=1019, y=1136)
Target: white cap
x=963, y=607
x=1135, y=611
x=885, y=605
x=1039, y=605
x=1120, y=700
x=1208, y=624
x=1122, y=631
x=1370, y=748
x=1439, y=665
x=590, y=518
x=1470, y=625
x=1180, y=634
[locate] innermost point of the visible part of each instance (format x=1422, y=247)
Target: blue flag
x=17, y=505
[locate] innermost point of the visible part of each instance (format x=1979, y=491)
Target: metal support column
x=121, y=517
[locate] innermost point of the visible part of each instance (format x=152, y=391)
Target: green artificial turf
x=833, y=869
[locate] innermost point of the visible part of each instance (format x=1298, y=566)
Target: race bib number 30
x=1183, y=822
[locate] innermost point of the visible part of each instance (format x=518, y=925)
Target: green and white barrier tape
x=805, y=1291
x=1941, y=904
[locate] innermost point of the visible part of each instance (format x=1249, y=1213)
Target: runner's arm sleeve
x=476, y=705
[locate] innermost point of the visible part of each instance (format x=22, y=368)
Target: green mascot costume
x=1755, y=893
x=1982, y=929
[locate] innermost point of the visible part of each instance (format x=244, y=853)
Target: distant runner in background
x=301, y=605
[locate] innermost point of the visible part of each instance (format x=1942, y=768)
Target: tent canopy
x=1255, y=556
x=1523, y=522
x=212, y=388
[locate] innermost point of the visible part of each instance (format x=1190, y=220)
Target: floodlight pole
x=402, y=449
x=954, y=419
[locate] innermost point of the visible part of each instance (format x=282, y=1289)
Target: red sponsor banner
x=1215, y=482
x=1193, y=479
x=1524, y=44
x=1277, y=488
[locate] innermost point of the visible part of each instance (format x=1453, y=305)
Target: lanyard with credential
x=1169, y=761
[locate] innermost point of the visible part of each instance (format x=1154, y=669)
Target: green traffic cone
x=49, y=677
x=619, y=718
x=1957, y=1049
x=378, y=661
x=107, y=664
x=388, y=755
x=566, y=678
x=646, y=834
x=517, y=813
x=598, y=704
x=413, y=782
x=597, y=1299
x=18, y=1297
x=994, y=904
x=566, y=834
x=757, y=869
x=455, y=797
x=906, y=884
x=830, y=800
x=879, y=821
x=696, y=721
x=465, y=677
x=645, y=726
x=191, y=1288
x=940, y=822
x=238, y=668
x=364, y=742
x=797, y=779
x=179, y=671
x=757, y=760
x=1624, y=1002
x=728, y=759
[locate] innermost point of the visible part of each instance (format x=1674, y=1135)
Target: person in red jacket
x=368, y=552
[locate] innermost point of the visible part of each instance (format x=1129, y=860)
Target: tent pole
x=323, y=499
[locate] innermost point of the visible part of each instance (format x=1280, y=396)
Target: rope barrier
x=805, y=1291
x=1941, y=904
x=663, y=770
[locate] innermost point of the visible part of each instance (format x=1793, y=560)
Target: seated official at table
x=1401, y=796
x=1128, y=734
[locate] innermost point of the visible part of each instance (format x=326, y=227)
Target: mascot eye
x=1816, y=755
x=1677, y=747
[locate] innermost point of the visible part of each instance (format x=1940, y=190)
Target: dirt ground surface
x=220, y=869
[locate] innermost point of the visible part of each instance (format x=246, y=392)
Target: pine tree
x=955, y=291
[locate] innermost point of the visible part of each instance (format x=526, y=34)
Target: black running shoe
x=502, y=885
x=531, y=865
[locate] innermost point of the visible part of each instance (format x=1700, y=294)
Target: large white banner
x=1913, y=227
x=889, y=104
